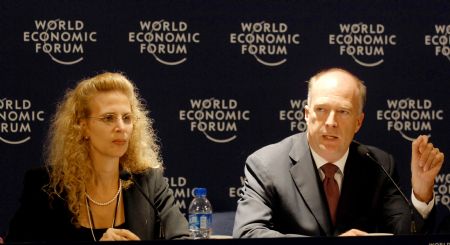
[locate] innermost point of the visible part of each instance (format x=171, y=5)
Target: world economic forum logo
x=442, y=190
x=268, y=42
x=237, y=191
x=410, y=117
x=365, y=43
x=440, y=40
x=166, y=41
x=16, y=119
x=63, y=40
x=181, y=191
x=295, y=115
x=217, y=119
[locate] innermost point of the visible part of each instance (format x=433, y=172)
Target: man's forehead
x=332, y=99
x=339, y=83
x=333, y=78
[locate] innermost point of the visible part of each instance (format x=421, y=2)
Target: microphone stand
x=366, y=152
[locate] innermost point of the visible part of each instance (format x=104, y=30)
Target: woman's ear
x=82, y=125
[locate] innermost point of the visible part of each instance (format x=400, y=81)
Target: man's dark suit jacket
x=39, y=220
x=284, y=196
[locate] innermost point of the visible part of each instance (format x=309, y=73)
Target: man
x=289, y=192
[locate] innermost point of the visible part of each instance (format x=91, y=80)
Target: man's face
x=333, y=114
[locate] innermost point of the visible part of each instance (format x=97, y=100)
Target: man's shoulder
x=276, y=153
x=282, y=145
x=375, y=152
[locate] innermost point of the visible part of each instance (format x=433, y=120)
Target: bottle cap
x=200, y=192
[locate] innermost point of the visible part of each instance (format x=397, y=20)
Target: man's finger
x=428, y=157
x=354, y=232
x=427, y=148
x=437, y=161
x=417, y=147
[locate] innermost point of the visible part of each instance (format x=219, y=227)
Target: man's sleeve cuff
x=423, y=208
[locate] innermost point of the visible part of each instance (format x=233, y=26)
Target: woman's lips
x=120, y=142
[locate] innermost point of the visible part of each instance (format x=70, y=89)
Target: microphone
x=364, y=151
x=125, y=176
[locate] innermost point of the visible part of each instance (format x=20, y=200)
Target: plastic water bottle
x=200, y=215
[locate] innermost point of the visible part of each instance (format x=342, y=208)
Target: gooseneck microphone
x=125, y=176
x=363, y=150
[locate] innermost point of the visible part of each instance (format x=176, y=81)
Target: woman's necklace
x=91, y=218
x=108, y=202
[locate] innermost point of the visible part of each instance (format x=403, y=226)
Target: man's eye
x=344, y=112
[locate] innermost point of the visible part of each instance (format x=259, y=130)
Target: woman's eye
x=126, y=118
x=109, y=118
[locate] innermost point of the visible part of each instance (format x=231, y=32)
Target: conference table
x=442, y=239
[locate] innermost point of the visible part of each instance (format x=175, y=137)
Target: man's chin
x=330, y=151
x=331, y=145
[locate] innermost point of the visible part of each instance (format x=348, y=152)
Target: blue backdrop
x=223, y=78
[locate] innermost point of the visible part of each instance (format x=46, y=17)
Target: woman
x=99, y=131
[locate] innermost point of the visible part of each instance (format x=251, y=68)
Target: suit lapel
x=349, y=191
x=305, y=176
x=136, y=212
x=358, y=187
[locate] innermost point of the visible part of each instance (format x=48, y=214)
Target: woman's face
x=110, y=124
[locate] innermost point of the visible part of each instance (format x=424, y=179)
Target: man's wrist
x=424, y=208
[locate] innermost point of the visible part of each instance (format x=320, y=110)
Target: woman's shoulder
x=35, y=183
x=150, y=175
x=149, y=172
x=38, y=176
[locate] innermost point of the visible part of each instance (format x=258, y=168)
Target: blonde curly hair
x=67, y=153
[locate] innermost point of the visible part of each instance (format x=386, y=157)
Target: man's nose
x=331, y=119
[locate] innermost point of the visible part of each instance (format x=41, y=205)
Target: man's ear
x=306, y=112
x=359, y=121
